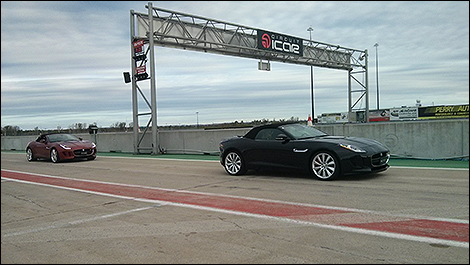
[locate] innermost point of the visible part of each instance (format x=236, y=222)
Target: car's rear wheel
x=54, y=155
x=233, y=163
x=30, y=155
x=325, y=166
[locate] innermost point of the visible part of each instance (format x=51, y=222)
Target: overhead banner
x=444, y=112
x=279, y=43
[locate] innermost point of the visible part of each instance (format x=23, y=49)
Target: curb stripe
x=324, y=216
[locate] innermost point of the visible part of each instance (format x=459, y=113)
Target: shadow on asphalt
x=43, y=160
x=283, y=173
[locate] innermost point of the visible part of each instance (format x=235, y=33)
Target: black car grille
x=83, y=152
x=380, y=159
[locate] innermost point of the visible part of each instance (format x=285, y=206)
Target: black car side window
x=267, y=134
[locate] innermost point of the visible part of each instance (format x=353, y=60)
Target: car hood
x=77, y=144
x=364, y=143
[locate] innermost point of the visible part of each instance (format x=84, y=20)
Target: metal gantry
x=162, y=27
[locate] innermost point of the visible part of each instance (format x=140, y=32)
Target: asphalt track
x=138, y=209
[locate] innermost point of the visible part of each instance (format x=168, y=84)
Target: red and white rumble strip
x=431, y=230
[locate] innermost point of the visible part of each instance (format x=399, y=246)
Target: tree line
x=10, y=130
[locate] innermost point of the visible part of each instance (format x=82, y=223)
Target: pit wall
x=433, y=139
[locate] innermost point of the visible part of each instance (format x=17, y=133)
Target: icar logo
x=279, y=43
x=266, y=41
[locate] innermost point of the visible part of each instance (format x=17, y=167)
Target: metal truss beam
x=161, y=27
x=185, y=31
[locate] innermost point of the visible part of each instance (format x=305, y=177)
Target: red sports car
x=60, y=146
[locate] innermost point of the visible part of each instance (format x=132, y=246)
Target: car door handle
x=299, y=150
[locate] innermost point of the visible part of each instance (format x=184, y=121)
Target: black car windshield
x=300, y=131
x=62, y=138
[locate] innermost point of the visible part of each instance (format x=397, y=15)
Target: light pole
x=377, y=71
x=197, y=119
x=310, y=29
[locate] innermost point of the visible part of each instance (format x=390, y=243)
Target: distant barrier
x=423, y=139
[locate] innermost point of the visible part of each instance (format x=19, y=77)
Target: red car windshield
x=62, y=138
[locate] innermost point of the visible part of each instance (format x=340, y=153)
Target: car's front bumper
x=366, y=163
x=78, y=154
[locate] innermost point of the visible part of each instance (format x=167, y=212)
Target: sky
x=62, y=62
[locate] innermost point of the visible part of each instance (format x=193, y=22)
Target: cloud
x=62, y=62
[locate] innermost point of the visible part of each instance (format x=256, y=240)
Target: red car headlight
x=65, y=147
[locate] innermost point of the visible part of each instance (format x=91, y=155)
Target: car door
x=297, y=153
x=292, y=153
x=40, y=147
x=266, y=150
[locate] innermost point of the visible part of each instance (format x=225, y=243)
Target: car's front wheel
x=30, y=155
x=54, y=155
x=325, y=166
x=233, y=163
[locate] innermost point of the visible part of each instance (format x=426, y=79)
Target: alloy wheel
x=29, y=154
x=233, y=163
x=54, y=156
x=324, y=166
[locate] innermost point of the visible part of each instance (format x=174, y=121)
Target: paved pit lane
x=134, y=210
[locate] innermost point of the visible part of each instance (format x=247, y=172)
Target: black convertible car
x=303, y=147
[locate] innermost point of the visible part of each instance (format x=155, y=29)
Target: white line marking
x=334, y=227
x=239, y=197
x=76, y=222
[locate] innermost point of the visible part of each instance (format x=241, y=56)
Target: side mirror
x=282, y=137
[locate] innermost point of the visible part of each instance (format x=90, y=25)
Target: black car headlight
x=353, y=148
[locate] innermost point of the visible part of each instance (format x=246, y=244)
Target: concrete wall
x=433, y=139
x=430, y=139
